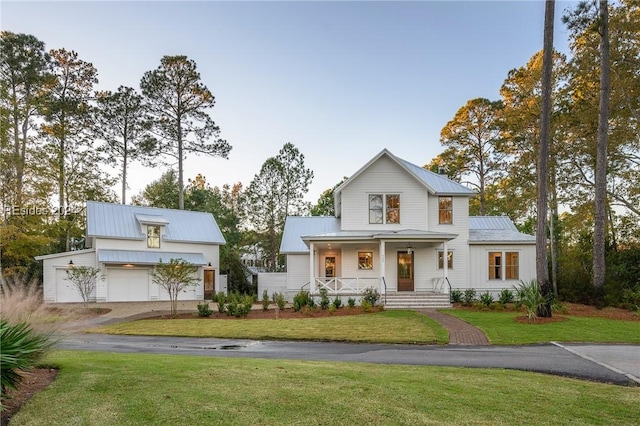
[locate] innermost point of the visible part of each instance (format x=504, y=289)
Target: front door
x=405, y=271
x=209, y=283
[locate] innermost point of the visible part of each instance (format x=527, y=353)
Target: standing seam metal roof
x=123, y=222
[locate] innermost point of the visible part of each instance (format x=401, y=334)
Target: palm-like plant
x=21, y=348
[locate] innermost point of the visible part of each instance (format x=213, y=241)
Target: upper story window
x=384, y=208
x=153, y=236
x=445, y=210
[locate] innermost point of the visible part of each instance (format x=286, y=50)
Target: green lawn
x=116, y=389
x=502, y=329
x=381, y=327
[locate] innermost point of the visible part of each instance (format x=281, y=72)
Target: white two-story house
x=406, y=232
x=125, y=242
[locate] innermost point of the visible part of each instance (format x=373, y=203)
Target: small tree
x=84, y=280
x=174, y=277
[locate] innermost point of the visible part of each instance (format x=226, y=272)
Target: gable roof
x=434, y=182
x=496, y=229
x=297, y=226
x=121, y=221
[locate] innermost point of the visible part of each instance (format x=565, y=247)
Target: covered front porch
x=405, y=263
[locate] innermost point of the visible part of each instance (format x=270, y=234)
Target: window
x=384, y=208
x=153, y=236
x=330, y=267
x=449, y=259
x=365, y=260
x=445, y=210
x=511, y=265
x=393, y=208
x=375, y=208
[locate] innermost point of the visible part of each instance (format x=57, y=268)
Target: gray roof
x=123, y=222
x=435, y=183
x=296, y=226
x=147, y=257
x=496, y=229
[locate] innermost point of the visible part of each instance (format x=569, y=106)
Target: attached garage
x=66, y=292
x=127, y=284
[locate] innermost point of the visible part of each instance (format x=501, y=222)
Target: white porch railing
x=342, y=285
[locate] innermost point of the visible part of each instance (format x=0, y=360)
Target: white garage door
x=127, y=284
x=65, y=291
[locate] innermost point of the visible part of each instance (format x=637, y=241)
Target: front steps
x=416, y=300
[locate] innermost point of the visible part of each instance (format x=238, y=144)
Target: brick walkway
x=460, y=332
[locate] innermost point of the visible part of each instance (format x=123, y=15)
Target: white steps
x=416, y=300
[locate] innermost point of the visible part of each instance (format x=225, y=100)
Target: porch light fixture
x=409, y=250
x=208, y=267
x=71, y=264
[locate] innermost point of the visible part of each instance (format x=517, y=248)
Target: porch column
x=312, y=262
x=382, y=267
x=445, y=263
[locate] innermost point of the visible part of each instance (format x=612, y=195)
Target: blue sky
x=340, y=80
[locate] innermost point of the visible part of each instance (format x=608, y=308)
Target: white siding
x=52, y=265
x=479, y=265
x=297, y=272
x=273, y=282
x=384, y=177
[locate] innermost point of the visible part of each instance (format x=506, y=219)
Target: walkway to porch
x=460, y=332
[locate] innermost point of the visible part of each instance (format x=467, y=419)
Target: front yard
x=115, y=389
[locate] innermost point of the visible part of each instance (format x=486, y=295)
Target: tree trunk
x=601, y=153
x=180, y=178
x=124, y=172
x=542, y=267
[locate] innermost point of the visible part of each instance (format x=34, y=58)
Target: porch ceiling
x=403, y=236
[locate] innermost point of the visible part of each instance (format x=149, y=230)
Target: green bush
x=506, y=296
x=366, y=306
x=486, y=299
x=22, y=348
x=337, y=302
x=371, y=296
x=279, y=300
x=265, y=300
x=529, y=295
x=351, y=302
x=239, y=305
x=469, y=296
x=456, y=296
x=302, y=299
x=221, y=299
x=324, y=299
x=203, y=310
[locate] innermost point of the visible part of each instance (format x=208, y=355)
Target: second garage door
x=127, y=284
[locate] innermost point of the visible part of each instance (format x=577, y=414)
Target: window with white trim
x=504, y=265
x=445, y=210
x=153, y=236
x=441, y=260
x=384, y=208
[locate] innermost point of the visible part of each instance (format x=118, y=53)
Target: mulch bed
x=271, y=313
x=32, y=382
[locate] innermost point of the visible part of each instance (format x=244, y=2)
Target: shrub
x=506, y=296
x=332, y=309
x=203, y=310
x=324, y=298
x=530, y=296
x=337, y=302
x=371, y=296
x=265, y=300
x=22, y=348
x=222, y=300
x=469, y=296
x=239, y=306
x=302, y=299
x=486, y=299
x=21, y=301
x=279, y=300
x=456, y=296
x=366, y=306
x=214, y=297
x=351, y=302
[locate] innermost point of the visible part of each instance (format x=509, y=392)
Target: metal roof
x=136, y=257
x=496, y=229
x=123, y=222
x=435, y=183
x=297, y=226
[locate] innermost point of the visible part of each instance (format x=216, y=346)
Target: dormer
x=153, y=227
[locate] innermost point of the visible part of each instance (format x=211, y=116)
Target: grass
x=502, y=329
x=381, y=327
x=114, y=389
